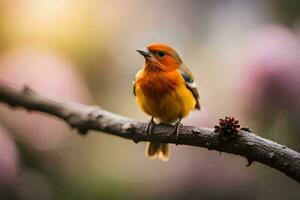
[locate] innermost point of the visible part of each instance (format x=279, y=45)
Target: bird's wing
x=190, y=84
x=138, y=74
x=134, y=87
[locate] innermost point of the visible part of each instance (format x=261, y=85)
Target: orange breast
x=164, y=95
x=155, y=84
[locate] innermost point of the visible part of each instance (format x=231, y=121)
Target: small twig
x=85, y=118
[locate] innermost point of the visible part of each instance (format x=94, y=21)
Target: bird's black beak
x=144, y=53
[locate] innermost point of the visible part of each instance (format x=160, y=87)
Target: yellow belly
x=169, y=106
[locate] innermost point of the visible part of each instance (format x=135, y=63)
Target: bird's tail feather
x=157, y=150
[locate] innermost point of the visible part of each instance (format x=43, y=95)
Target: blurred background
x=245, y=56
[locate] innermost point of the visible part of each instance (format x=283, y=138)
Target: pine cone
x=228, y=128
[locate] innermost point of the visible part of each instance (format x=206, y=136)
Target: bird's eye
x=161, y=54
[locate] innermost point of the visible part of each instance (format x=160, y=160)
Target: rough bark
x=85, y=118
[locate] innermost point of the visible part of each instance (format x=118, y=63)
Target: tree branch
x=85, y=118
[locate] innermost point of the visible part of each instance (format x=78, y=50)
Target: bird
x=165, y=90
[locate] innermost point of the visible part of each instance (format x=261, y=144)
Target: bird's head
x=161, y=56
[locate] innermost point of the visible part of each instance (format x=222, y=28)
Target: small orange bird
x=166, y=91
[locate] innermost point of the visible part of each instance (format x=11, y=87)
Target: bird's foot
x=150, y=126
x=177, y=130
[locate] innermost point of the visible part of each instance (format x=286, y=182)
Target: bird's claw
x=177, y=131
x=149, y=128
